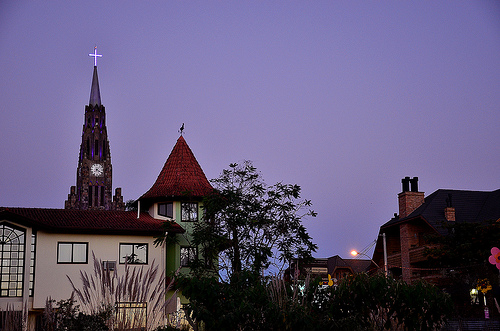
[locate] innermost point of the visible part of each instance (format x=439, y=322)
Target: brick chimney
x=449, y=211
x=409, y=199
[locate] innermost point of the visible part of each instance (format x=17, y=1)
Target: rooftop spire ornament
x=95, y=55
x=181, y=130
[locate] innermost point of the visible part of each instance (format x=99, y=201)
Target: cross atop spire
x=95, y=55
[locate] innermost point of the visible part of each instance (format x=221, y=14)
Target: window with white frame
x=72, y=252
x=166, y=209
x=133, y=253
x=189, y=211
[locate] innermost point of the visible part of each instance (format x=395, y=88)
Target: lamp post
x=384, y=245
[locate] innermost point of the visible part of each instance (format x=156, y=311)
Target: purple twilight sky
x=344, y=98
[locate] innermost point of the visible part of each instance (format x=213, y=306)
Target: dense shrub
x=383, y=303
x=360, y=302
x=66, y=315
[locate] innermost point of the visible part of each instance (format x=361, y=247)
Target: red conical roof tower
x=181, y=176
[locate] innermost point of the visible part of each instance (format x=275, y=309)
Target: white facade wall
x=51, y=278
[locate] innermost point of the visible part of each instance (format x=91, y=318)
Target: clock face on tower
x=96, y=169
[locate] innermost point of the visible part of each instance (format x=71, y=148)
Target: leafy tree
x=131, y=205
x=240, y=305
x=247, y=223
x=249, y=226
x=466, y=245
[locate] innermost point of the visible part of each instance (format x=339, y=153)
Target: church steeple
x=93, y=188
x=95, y=94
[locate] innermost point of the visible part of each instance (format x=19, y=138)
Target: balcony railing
x=417, y=254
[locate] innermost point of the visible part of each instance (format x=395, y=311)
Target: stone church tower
x=93, y=188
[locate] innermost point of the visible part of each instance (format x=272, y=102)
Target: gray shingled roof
x=470, y=207
x=356, y=265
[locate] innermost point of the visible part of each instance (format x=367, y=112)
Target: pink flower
x=495, y=257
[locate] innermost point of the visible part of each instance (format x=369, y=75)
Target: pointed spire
x=95, y=94
x=181, y=175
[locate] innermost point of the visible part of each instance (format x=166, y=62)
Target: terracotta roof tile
x=86, y=221
x=181, y=175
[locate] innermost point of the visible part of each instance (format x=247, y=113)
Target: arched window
x=96, y=147
x=96, y=196
x=102, y=195
x=12, y=269
x=91, y=189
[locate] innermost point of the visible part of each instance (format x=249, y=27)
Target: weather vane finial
x=181, y=130
x=95, y=55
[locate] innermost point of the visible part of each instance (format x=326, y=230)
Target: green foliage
x=67, y=316
x=357, y=303
x=167, y=237
x=383, y=303
x=467, y=245
x=247, y=223
x=131, y=205
x=241, y=305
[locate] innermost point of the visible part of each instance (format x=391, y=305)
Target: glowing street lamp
x=384, y=245
x=356, y=253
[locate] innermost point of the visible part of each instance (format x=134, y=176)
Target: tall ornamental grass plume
x=287, y=294
x=135, y=299
x=14, y=320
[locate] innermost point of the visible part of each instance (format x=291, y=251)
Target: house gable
x=406, y=236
